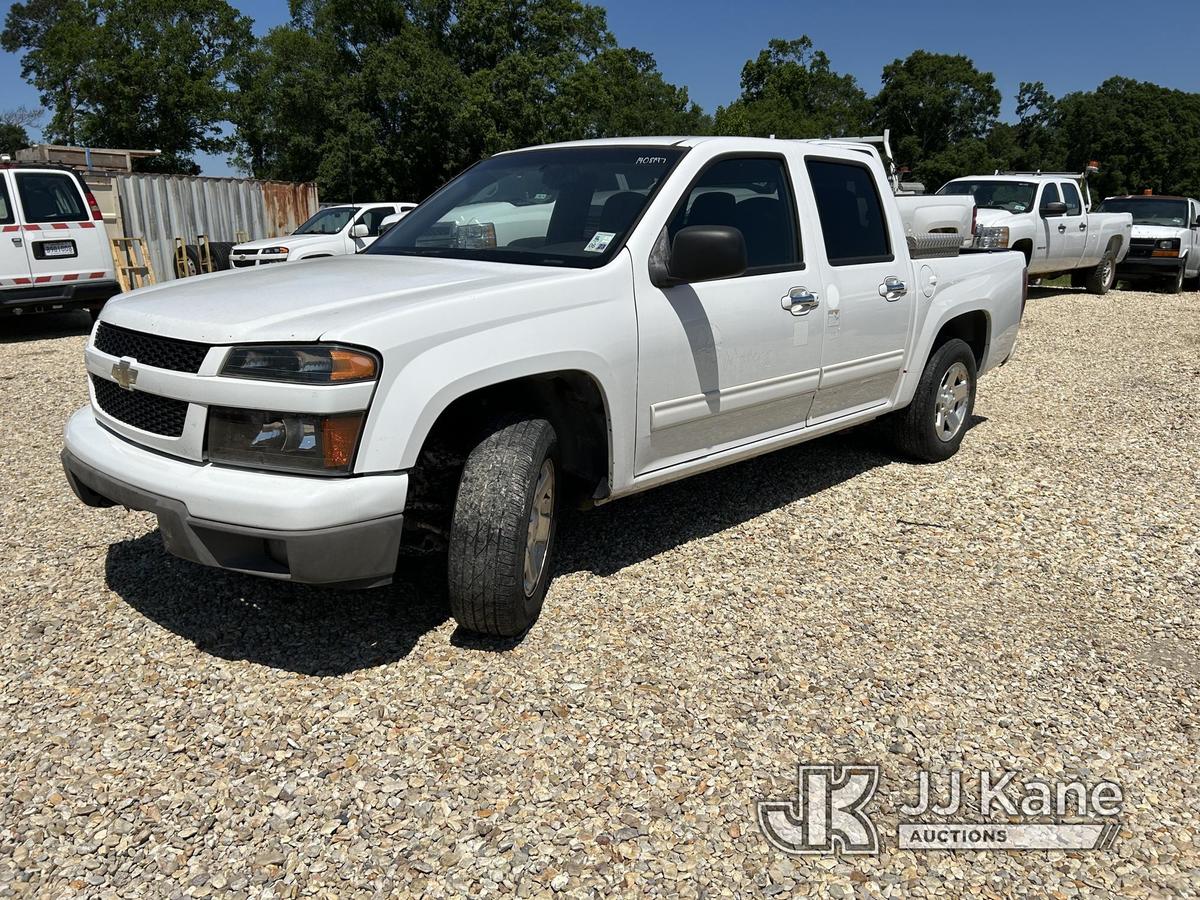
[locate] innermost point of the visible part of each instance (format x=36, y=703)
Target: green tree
x=13, y=125
x=791, y=91
x=381, y=99
x=939, y=108
x=132, y=73
x=1143, y=135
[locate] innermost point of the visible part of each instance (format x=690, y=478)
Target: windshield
x=1149, y=210
x=1010, y=196
x=572, y=206
x=327, y=221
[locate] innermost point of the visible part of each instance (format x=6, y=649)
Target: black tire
x=1100, y=279
x=220, y=254
x=1175, y=282
x=193, y=260
x=491, y=527
x=915, y=429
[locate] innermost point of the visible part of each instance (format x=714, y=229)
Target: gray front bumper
x=358, y=555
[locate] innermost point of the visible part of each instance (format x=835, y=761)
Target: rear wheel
x=931, y=428
x=503, y=529
x=1100, y=279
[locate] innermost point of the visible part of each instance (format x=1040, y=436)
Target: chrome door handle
x=1083, y=226
x=800, y=301
x=892, y=288
x=16, y=242
x=1062, y=229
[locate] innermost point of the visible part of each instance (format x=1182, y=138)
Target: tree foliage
x=132, y=73
x=790, y=90
x=388, y=100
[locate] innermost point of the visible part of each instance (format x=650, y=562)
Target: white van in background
x=333, y=231
x=54, y=253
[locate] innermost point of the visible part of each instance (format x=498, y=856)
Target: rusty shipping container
x=161, y=207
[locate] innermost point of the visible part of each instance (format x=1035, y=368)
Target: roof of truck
x=1146, y=197
x=759, y=143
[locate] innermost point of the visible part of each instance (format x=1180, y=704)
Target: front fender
x=422, y=379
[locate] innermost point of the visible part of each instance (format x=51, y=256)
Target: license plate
x=51, y=249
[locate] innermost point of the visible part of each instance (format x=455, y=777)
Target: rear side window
x=50, y=197
x=851, y=213
x=6, y=210
x=1073, y=200
x=751, y=194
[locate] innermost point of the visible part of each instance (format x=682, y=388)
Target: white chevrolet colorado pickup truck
x=682, y=304
x=1047, y=218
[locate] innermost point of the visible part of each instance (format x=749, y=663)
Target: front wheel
x=1175, y=283
x=1100, y=279
x=503, y=529
x=932, y=426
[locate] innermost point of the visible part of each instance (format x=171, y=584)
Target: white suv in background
x=54, y=253
x=333, y=231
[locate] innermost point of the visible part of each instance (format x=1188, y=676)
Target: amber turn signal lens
x=339, y=435
x=350, y=365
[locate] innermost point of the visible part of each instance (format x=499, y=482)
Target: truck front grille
x=149, y=412
x=150, y=349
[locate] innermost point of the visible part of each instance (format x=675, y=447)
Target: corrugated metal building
x=161, y=207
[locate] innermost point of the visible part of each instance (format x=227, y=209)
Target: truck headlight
x=313, y=364
x=990, y=237
x=317, y=445
x=268, y=251
x=1168, y=247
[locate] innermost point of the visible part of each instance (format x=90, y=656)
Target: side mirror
x=706, y=252
x=1054, y=208
x=360, y=231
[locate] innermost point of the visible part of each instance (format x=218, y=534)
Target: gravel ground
x=1030, y=605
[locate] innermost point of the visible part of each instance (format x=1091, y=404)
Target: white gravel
x=1033, y=605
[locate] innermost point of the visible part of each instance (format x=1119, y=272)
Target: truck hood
x=1158, y=232
x=291, y=241
x=306, y=300
x=997, y=217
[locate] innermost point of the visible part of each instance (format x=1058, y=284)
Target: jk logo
x=826, y=816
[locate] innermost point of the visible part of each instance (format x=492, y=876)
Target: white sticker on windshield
x=599, y=242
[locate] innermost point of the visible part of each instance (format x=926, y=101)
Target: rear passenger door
x=14, y=264
x=725, y=362
x=868, y=304
x=1073, y=229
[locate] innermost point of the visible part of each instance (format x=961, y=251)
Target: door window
x=6, y=210
x=851, y=213
x=750, y=194
x=1049, y=195
x=373, y=217
x=50, y=197
x=1072, y=199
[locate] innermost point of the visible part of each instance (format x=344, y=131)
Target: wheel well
x=1114, y=245
x=570, y=400
x=971, y=327
x=1026, y=247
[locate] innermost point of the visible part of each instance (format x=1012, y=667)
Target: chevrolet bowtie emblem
x=124, y=374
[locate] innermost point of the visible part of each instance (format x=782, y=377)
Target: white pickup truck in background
x=1046, y=217
x=664, y=306
x=1166, y=239
x=332, y=231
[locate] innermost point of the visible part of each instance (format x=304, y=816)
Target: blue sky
x=703, y=43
